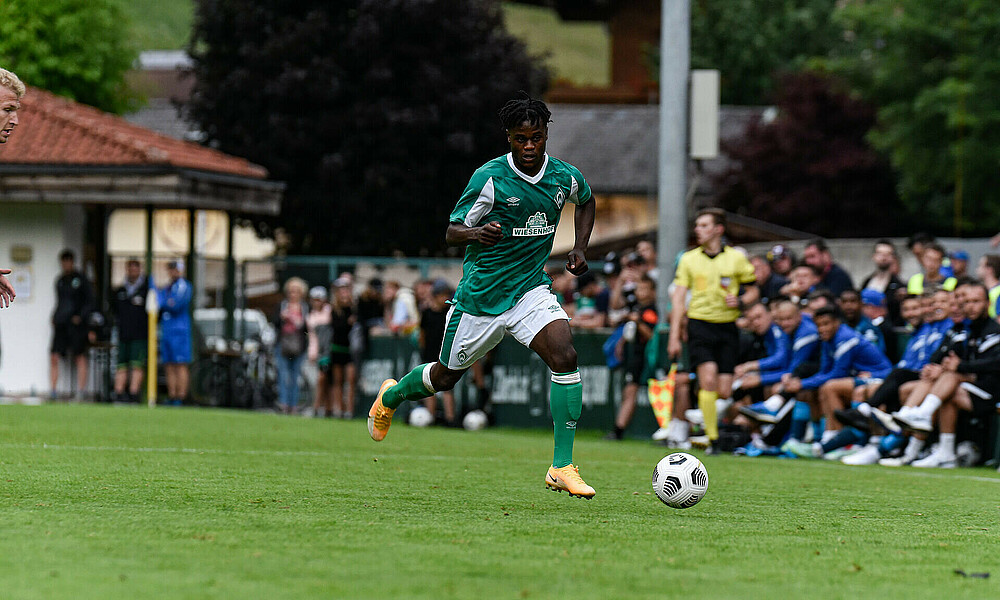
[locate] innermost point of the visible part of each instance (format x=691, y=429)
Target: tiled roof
x=57, y=131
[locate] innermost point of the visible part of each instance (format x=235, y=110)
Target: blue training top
x=175, y=299
x=872, y=333
x=922, y=344
x=804, y=346
x=846, y=355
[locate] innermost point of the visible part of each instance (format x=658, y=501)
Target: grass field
x=109, y=502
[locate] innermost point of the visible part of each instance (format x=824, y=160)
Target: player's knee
x=564, y=360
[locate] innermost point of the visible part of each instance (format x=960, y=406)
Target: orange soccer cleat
x=568, y=478
x=380, y=417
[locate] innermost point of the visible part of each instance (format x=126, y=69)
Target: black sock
x=619, y=432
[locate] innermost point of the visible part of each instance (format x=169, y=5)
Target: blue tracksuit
x=872, y=333
x=175, y=328
x=846, y=355
x=922, y=344
x=803, y=347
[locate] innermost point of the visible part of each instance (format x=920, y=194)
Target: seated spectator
x=849, y=303
x=988, y=271
x=782, y=260
x=587, y=314
x=919, y=242
x=818, y=299
x=847, y=360
x=777, y=344
x=633, y=350
x=961, y=376
x=883, y=279
x=959, y=264
x=832, y=276
x=874, y=307
x=769, y=282
x=802, y=280
x=932, y=275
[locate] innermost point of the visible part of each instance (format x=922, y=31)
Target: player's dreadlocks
x=524, y=109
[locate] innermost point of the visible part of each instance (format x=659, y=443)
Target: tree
x=375, y=112
x=749, y=41
x=74, y=48
x=811, y=168
x=932, y=66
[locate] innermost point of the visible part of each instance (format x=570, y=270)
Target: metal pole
x=675, y=62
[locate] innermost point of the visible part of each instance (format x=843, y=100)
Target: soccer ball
x=421, y=417
x=475, y=420
x=680, y=480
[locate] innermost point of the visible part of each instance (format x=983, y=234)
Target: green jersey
x=528, y=208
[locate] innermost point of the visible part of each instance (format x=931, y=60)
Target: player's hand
x=740, y=370
x=6, y=289
x=931, y=372
x=490, y=234
x=576, y=263
x=793, y=385
x=673, y=348
x=950, y=362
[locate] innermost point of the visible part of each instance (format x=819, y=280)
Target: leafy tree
x=933, y=69
x=811, y=168
x=74, y=48
x=375, y=112
x=748, y=41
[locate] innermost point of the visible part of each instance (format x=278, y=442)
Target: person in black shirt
x=769, y=282
x=433, y=320
x=640, y=325
x=74, y=303
x=341, y=362
x=133, y=331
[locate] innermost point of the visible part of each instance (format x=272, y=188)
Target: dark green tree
x=74, y=48
x=375, y=112
x=933, y=69
x=811, y=167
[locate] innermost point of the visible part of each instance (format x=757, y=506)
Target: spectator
x=401, y=309
x=74, y=303
x=774, y=357
x=133, y=332
x=769, y=282
x=318, y=354
x=623, y=299
x=612, y=276
x=639, y=329
x=962, y=376
x=587, y=314
x=371, y=309
x=832, y=276
x=293, y=340
x=802, y=280
x=782, y=260
x=874, y=308
x=818, y=299
x=175, y=327
x=422, y=291
x=849, y=303
x=988, y=271
x=433, y=321
x=884, y=280
x=932, y=275
x=647, y=251
x=959, y=264
x=341, y=361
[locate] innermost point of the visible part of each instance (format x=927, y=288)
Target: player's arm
x=677, y=301
x=6, y=289
x=459, y=234
x=584, y=222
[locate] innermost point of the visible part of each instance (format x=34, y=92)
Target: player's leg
x=351, y=375
x=920, y=418
x=708, y=393
x=944, y=455
x=336, y=388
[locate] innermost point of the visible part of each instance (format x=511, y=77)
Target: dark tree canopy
x=375, y=112
x=811, y=167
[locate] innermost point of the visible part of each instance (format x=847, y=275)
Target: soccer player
x=714, y=273
x=507, y=218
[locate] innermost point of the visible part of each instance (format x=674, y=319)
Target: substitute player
x=713, y=272
x=507, y=218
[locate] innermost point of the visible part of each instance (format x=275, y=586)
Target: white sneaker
x=841, y=453
x=885, y=420
x=869, y=455
x=699, y=441
x=694, y=416
x=661, y=434
x=914, y=419
x=936, y=460
x=898, y=461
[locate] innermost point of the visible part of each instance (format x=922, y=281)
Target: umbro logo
x=513, y=201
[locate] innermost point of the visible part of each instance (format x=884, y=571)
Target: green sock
x=566, y=404
x=413, y=386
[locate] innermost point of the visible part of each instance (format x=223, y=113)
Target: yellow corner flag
x=661, y=396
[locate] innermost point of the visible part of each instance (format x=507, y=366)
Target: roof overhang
x=139, y=186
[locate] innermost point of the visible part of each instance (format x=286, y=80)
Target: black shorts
x=988, y=384
x=341, y=358
x=69, y=339
x=713, y=342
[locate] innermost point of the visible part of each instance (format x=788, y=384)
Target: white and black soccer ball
x=475, y=420
x=421, y=417
x=680, y=480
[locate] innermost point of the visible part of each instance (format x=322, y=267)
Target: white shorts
x=467, y=338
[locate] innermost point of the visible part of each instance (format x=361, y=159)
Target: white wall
x=25, y=327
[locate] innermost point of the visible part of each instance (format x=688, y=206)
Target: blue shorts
x=175, y=348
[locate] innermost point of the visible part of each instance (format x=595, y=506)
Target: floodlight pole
x=675, y=59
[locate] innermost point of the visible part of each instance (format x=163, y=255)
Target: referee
x=713, y=273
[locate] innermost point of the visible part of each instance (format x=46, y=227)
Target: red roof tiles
x=57, y=131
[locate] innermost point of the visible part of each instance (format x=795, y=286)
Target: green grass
x=578, y=52
x=106, y=502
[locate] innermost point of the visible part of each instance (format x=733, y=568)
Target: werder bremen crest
x=560, y=198
x=538, y=224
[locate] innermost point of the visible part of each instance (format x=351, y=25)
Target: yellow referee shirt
x=710, y=279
